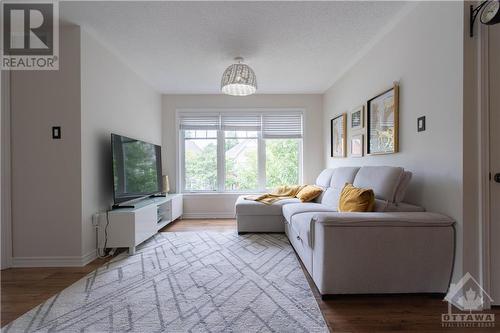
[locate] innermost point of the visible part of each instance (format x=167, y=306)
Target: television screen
x=136, y=168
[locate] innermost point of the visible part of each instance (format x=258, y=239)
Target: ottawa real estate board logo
x=470, y=298
x=30, y=35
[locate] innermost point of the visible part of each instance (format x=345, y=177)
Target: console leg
x=131, y=250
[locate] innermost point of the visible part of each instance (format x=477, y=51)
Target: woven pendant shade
x=239, y=80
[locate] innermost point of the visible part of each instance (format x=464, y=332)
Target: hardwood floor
x=220, y=225
x=24, y=288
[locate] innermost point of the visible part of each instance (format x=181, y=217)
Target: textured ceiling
x=184, y=47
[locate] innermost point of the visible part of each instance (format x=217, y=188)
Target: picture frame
x=382, y=122
x=357, y=118
x=338, y=142
x=357, y=145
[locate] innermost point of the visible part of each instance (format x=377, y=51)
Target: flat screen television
x=136, y=168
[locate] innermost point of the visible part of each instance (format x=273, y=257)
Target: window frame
x=221, y=165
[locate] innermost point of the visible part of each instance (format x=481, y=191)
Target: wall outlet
x=96, y=218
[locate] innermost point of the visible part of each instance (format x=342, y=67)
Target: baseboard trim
x=89, y=257
x=217, y=215
x=64, y=261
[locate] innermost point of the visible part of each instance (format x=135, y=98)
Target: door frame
x=484, y=160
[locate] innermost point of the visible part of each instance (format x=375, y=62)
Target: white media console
x=128, y=227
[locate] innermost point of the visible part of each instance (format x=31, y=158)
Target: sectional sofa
x=398, y=248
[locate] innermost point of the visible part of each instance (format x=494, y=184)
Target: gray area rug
x=187, y=282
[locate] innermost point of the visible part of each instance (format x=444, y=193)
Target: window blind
x=282, y=125
x=237, y=122
x=199, y=122
x=276, y=125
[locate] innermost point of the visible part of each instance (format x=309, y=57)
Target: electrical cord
x=104, y=255
x=106, y=230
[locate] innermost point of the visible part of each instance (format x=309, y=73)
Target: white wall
x=424, y=52
x=222, y=205
x=46, y=183
x=57, y=185
x=5, y=202
x=114, y=100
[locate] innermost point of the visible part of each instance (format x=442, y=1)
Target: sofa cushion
x=330, y=198
x=340, y=176
x=384, y=180
x=377, y=219
x=324, y=178
x=250, y=207
x=343, y=175
x=402, y=186
x=291, y=209
x=320, y=196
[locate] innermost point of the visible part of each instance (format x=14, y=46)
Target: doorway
x=494, y=130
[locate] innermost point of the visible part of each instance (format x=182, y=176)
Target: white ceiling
x=183, y=47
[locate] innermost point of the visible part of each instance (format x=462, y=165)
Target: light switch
x=56, y=132
x=421, y=124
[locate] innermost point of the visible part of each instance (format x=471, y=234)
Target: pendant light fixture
x=239, y=79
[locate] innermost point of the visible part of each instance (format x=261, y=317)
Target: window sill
x=217, y=194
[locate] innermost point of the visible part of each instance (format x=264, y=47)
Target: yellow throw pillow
x=309, y=192
x=354, y=199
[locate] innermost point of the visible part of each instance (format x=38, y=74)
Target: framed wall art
x=382, y=122
x=357, y=118
x=338, y=136
x=357, y=145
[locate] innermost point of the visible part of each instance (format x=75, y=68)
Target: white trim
x=301, y=148
x=63, y=261
x=89, y=257
x=218, y=194
x=261, y=161
x=221, y=161
x=484, y=161
x=179, y=167
x=268, y=110
x=211, y=215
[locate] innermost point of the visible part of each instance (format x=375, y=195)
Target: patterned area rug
x=187, y=282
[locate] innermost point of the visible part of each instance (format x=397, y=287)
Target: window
x=240, y=152
x=282, y=159
x=200, y=161
x=241, y=160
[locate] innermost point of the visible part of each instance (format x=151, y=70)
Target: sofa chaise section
x=253, y=216
x=380, y=252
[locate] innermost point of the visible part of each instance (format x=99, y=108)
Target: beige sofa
x=399, y=248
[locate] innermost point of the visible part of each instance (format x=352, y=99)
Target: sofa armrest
x=382, y=219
